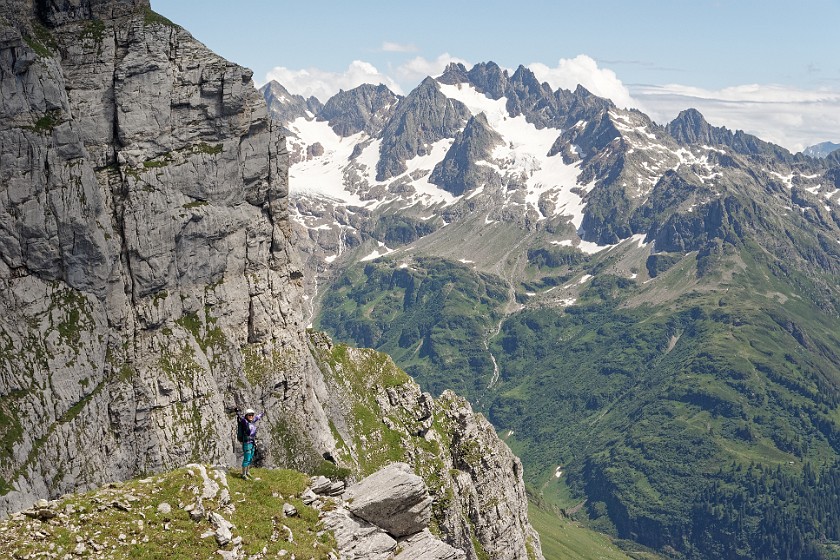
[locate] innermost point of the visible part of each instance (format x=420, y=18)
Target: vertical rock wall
x=147, y=285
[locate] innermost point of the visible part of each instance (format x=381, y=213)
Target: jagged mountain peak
x=424, y=117
x=365, y=108
x=462, y=170
x=690, y=127
x=285, y=107
x=454, y=73
x=821, y=150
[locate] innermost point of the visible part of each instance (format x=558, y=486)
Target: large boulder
x=393, y=498
x=357, y=539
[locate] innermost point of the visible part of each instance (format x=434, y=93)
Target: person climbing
x=246, y=433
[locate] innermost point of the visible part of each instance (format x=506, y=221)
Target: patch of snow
x=476, y=191
x=590, y=248
x=587, y=247
x=428, y=192
x=330, y=259
x=639, y=238
x=524, y=152
x=584, y=278
x=465, y=261
x=568, y=301
x=323, y=175
x=786, y=179
x=377, y=253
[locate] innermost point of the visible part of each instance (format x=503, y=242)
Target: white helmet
x=250, y=411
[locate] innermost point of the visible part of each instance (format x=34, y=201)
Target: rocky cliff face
x=148, y=282
x=145, y=263
x=479, y=502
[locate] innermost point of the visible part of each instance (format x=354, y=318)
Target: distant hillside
x=821, y=150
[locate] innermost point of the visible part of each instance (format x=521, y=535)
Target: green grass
x=150, y=17
x=46, y=123
x=564, y=539
x=148, y=534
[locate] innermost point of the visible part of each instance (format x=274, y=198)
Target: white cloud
x=416, y=69
x=583, y=70
x=790, y=117
x=323, y=84
x=388, y=46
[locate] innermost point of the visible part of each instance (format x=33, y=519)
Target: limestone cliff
x=149, y=286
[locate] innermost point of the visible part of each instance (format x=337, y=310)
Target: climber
x=246, y=434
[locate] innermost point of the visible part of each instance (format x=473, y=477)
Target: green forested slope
x=704, y=421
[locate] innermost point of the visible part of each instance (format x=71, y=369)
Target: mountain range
x=647, y=313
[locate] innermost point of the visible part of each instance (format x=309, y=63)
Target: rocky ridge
x=384, y=516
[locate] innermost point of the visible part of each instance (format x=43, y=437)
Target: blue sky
x=771, y=68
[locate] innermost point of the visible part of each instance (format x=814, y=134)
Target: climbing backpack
x=241, y=430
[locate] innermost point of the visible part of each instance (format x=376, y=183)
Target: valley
x=662, y=301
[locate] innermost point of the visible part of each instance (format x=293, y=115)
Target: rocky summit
x=150, y=286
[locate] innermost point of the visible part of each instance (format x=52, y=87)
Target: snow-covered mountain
x=477, y=165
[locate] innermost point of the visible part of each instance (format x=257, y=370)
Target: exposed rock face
x=386, y=513
x=422, y=118
x=365, y=108
x=285, y=107
x=690, y=127
x=460, y=170
x=394, y=498
x=480, y=505
x=144, y=254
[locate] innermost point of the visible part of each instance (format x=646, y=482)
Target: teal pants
x=247, y=453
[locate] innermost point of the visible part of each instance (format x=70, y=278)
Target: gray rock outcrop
x=462, y=170
x=284, y=107
x=393, y=498
x=479, y=501
x=386, y=516
x=365, y=108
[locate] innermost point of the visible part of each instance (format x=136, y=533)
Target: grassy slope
x=564, y=539
x=145, y=533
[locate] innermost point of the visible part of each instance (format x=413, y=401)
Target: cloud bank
x=583, y=70
x=790, y=117
x=323, y=84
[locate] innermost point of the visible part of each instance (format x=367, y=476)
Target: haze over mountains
x=650, y=310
